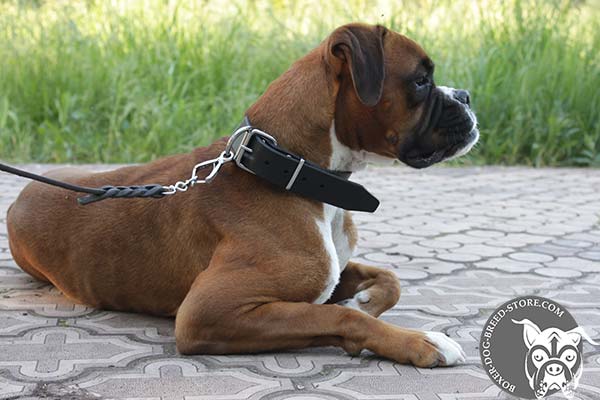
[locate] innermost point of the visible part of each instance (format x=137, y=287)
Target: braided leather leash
x=94, y=194
x=124, y=192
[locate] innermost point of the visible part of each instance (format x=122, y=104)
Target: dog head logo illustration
x=553, y=360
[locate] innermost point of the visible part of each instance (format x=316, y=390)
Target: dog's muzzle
x=552, y=375
x=449, y=130
x=457, y=121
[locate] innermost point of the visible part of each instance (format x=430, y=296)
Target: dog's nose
x=554, y=369
x=462, y=96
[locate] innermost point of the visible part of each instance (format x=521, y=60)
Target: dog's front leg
x=368, y=289
x=223, y=314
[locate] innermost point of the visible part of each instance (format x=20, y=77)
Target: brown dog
x=246, y=267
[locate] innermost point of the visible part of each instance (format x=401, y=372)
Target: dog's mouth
x=425, y=160
x=554, y=386
x=452, y=151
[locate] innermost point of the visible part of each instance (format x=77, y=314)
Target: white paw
x=359, y=298
x=363, y=297
x=451, y=351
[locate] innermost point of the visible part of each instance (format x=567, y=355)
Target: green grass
x=129, y=81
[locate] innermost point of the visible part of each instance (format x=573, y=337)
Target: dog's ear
x=360, y=47
x=576, y=334
x=530, y=331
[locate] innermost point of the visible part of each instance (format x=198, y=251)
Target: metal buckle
x=238, y=143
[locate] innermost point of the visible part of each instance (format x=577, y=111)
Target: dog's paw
x=358, y=302
x=373, y=301
x=450, y=352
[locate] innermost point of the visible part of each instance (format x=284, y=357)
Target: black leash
x=94, y=194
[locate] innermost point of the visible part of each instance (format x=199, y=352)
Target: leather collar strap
x=257, y=152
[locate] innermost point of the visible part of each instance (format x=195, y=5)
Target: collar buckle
x=238, y=143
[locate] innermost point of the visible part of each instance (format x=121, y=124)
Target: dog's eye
x=538, y=355
x=422, y=82
x=421, y=87
x=569, y=355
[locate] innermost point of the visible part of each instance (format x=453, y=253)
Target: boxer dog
x=243, y=266
x=553, y=361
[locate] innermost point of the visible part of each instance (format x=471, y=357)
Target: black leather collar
x=257, y=152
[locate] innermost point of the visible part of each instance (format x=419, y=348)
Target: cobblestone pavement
x=461, y=240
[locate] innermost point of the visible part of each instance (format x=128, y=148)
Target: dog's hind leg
x=17, y=245
x=238, y=311
x=368, y=289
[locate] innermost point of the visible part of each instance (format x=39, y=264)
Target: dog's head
x=553, y=360
x=387, y=101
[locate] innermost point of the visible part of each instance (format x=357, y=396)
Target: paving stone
x=459, y=250
x=517, y=240
x=585, y=237
x=423, y=231
x=590, y=255
x=446, y=302
x=411, y=250
x=387, y=258
x=485, y=234
x=15, y=323
x=530, y=257
x=553, y=229
x=508, y=265
x=410, y=274
x=430, y=266
x=64, y=352
x=575, y=263
x=554, y=250
x=577, y=296
x=558, y=272
x=12, y=389
x=464, y=239
x=447, y=215
x=439, y=244
x=459, y=257
x=573, y=243
x=182, y=377
x=483, y=250
x=494, y=282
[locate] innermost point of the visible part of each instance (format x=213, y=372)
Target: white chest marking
x=331, y=228
x=336, y=245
